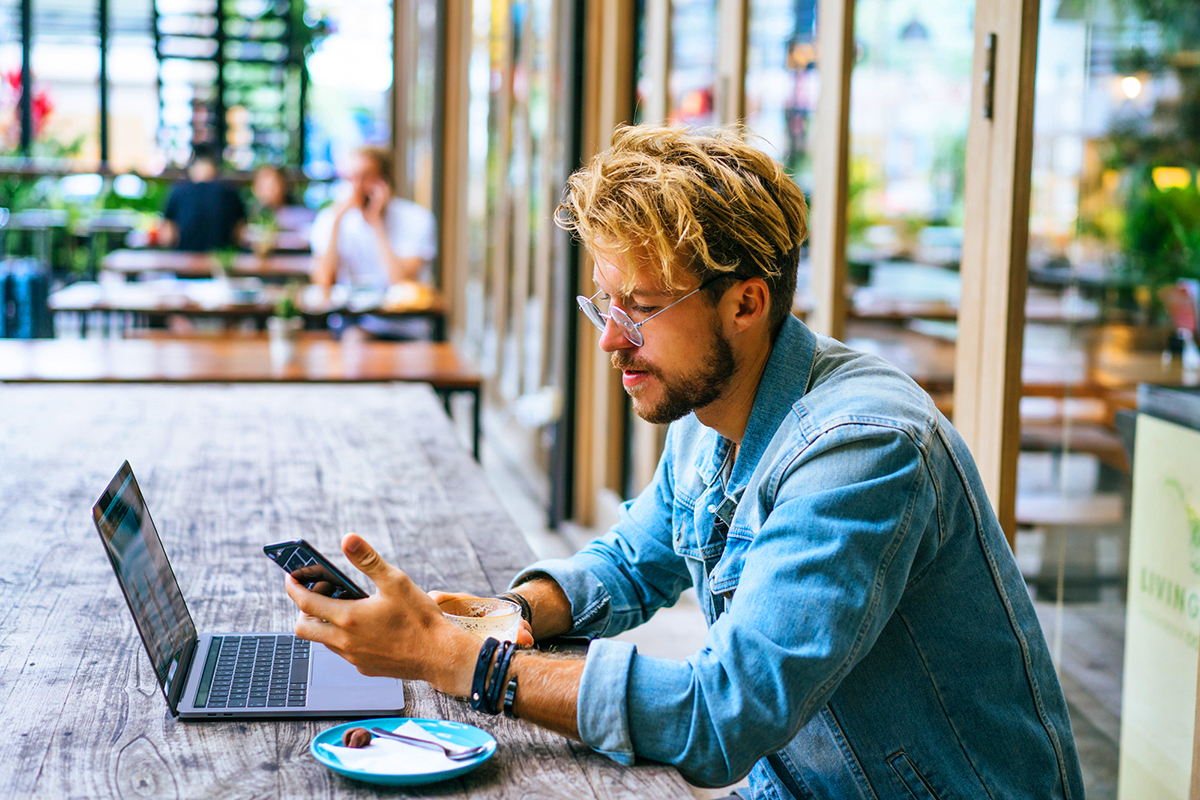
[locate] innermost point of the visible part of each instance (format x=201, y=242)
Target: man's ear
x=752, y=302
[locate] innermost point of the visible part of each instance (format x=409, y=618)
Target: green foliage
x=863, y=180
x=225, y=258
x=152, y=202
x=1162, y=232
x=286, y=307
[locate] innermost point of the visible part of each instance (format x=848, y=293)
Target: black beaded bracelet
x=478, y=682
x=510, y=697
x=526, y=609
x=498, y=679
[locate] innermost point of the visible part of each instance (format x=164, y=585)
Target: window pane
x=781, y=82
x=909, y=111
x=133, y=94
x=66, y=69
x=1113, y=262
x=10, y=76
x=349, y=99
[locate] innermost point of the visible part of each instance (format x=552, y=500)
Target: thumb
x=363, y=556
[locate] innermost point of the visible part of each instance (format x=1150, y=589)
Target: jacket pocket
x=914, y=781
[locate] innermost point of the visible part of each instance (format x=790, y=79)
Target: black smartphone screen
x=312, y=570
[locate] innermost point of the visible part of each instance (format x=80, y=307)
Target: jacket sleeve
x=819, y=580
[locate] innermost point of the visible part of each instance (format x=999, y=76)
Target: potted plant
x=283, y=330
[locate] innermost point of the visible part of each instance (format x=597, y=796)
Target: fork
x=452, y=753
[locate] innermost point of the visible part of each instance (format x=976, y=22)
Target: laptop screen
x=145, y=575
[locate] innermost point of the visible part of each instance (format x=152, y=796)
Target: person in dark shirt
x=203, y=214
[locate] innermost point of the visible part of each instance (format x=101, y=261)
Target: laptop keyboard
x=255, y=672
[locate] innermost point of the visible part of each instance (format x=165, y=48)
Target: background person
x=279, y=222
x=372, y=239
x=870, y=635
x=203, y=213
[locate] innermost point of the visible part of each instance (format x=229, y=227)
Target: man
x=870, y=635
x=203, y=214
x=373, y=240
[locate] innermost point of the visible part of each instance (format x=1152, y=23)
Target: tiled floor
x=1089, y=651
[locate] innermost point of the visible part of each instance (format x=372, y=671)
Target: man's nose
x=612, y=338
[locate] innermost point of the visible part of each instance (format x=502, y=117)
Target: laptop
x=214, y=676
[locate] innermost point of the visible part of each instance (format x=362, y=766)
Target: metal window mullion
x=26, y=77
x=102, y=30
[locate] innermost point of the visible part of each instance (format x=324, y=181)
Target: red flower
x=42, y=106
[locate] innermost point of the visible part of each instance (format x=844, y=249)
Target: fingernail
x=353, y=545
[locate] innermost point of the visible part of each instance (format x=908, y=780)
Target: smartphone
x=312, y=570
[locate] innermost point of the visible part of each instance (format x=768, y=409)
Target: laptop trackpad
x=330, y=669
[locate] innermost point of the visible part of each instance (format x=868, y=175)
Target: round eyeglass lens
x=590, y=311
x=632, y=332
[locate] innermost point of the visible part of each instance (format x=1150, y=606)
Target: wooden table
x=185, y=298
x=226, y=469
x=203, y=265
x=243, y=358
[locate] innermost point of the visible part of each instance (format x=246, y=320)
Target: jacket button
x=712, y=509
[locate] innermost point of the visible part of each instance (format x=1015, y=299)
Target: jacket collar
x=784, y=380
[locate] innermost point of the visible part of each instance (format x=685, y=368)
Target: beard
x=683, y=394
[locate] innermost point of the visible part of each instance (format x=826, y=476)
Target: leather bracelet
x=496, y=685
x=526, y=609
x=510, y=697
x=478, y=682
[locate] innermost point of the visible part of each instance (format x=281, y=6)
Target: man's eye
x=642, y=309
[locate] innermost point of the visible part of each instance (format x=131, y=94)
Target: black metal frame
x=26, y=77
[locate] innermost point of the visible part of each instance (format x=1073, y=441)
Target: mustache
x=623, y=361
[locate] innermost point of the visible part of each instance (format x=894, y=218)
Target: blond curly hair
x=677, y=203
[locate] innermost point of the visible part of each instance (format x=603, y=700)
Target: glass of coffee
x=485, y=616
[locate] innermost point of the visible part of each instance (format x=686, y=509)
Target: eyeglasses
x=631, y=329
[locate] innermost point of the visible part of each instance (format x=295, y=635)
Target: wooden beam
x=656, y=102
x=831, y=167
x=733, y=33
x=452, y=216
x=991, y=319
x=1194, y=790
x=403, y=69
x=608, y=102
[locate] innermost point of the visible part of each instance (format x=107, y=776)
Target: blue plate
x=453, y=732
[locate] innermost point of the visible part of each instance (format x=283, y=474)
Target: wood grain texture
x=226, y=469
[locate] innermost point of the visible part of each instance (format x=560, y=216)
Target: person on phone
x=870, y=635
x=371, y=239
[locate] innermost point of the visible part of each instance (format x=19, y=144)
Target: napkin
x=389, y=757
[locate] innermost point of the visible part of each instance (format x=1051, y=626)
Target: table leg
x=476, y=398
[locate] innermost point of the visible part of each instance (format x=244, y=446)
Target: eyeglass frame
x=630, y=329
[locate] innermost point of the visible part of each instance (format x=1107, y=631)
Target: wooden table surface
x=202, y=265
x=234, y=358
x=225, y=470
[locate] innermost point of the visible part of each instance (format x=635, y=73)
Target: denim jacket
x=869, y=633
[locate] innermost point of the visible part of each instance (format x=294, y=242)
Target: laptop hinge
x=186, y=654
